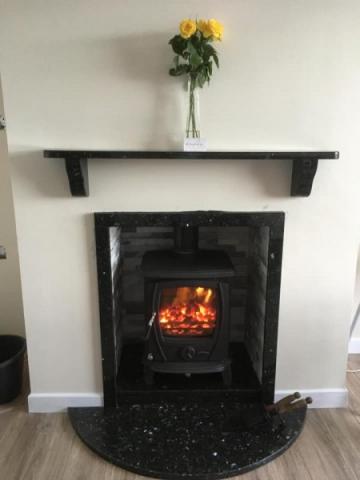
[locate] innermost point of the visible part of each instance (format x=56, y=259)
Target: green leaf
x=195, y=59
x=179, y=70
x=178, y=44
x=196, y=41
x=201, y=79
x=209, y=51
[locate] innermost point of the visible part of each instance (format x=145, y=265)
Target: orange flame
x=208, y=295
x=187, y=311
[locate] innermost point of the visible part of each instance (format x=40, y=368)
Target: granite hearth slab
x=172, y=440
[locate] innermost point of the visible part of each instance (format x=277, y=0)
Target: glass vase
x=193, y=110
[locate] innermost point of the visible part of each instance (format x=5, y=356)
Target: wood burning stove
x=187, y=307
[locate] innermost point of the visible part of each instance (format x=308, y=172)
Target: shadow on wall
x=47, y=176
x=147, y=59
x=91, y=279
x=39, y=175
x=273, y=175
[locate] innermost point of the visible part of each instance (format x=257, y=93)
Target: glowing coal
x=187, y=311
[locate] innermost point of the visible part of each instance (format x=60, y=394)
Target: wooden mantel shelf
x=304, y=163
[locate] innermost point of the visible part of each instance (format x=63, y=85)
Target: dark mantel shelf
x=304, y=163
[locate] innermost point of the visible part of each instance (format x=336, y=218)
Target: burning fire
x=187, y=311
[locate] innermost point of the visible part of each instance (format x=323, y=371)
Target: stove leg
x=227, y=376
x=148, y=375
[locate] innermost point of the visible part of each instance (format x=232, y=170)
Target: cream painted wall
x=91, y=74
x=11, y=310
x=356, y=309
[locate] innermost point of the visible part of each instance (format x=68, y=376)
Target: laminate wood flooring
x=45, y=447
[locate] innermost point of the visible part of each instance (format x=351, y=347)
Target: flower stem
x=191, y=130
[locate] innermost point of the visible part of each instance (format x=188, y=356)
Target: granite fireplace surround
x=189, y=426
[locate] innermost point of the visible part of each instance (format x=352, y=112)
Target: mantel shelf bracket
x=77, y=172
x=303, y=171
x=303, y=174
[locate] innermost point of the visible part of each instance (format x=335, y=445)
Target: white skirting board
x=322, y=398
x=354, y=345
x=58, y=402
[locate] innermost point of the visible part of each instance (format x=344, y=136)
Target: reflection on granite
x=192, y=440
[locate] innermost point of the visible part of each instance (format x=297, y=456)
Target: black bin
x=12, y=349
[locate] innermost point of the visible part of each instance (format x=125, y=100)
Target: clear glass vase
x=193, y=110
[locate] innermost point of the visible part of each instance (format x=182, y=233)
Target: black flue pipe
x=186, y=238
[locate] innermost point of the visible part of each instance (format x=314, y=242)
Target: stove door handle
x=150, y=324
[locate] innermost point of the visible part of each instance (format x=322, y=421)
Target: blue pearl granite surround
x=108, y=227
x=192, y=440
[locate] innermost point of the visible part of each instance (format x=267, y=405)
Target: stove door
x=189, y=331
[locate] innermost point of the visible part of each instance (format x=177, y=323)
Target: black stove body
x=187, y=309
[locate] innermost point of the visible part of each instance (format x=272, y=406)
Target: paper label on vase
x=195, y=145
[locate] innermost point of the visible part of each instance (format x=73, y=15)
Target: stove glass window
x=188, y=311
